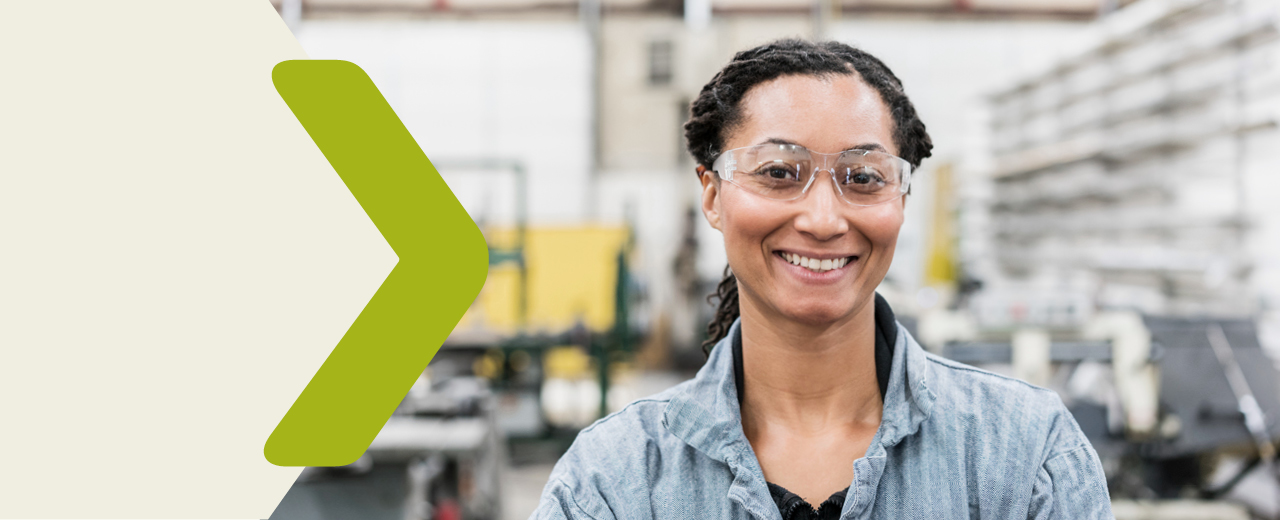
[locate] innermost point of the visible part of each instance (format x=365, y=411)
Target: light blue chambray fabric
x=953, y=442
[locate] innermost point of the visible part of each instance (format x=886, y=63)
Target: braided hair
x=717, y=111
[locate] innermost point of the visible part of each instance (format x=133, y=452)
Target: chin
x=817, y=313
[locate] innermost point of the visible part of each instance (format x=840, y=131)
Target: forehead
x=823, y=113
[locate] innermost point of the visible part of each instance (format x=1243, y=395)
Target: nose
x=821, y=217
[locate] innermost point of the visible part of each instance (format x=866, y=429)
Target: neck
x=811, y=377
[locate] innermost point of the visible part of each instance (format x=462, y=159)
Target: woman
x=814, y=403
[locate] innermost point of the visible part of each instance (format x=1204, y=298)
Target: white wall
x=516, y=91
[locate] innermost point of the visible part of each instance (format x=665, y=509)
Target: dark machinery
x=1216, y=398
x=437, y=458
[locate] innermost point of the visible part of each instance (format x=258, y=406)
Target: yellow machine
x=570, y=277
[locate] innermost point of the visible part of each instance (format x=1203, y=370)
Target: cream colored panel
x=177, y=259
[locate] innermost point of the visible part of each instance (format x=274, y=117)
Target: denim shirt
x=953, y=442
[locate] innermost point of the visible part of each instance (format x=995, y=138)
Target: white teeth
x=814, y=264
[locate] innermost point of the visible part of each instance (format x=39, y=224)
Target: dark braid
x=716, y=112
x=726, y=310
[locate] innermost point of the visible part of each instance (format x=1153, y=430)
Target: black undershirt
x=789, y=504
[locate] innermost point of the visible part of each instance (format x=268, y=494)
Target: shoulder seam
x=966, y=368
x=624, y=408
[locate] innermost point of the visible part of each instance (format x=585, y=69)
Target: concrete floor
x=521, y=487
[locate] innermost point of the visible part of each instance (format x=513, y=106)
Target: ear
x=710, y=196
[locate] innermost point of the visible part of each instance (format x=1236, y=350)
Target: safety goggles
x=787, y=171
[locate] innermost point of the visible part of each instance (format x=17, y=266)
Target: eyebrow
x=876, y=147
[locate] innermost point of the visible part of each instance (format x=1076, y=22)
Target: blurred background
x=1101, y=216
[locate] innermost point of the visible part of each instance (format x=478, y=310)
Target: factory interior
x=1048, y=238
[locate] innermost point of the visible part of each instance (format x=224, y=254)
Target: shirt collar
x=707, y=417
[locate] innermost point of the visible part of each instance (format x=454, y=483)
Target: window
x=660, y=63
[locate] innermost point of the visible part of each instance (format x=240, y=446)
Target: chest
x=903, y=483
x=812, y=466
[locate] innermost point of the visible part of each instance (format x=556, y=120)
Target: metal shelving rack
x=1129, y=172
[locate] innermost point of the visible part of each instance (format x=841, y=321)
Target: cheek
x=746, y=221
x=881, y=224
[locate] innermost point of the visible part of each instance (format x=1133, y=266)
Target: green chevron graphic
x=443, y=264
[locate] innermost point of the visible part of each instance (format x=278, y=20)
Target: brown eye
x=778, y=173
x=862, y=179
x=862, y=176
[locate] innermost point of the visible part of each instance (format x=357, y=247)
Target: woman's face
x=825, y=115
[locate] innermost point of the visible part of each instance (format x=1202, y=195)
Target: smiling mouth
x=814, y=264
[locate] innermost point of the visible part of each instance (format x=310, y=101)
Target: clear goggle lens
x=787, y=171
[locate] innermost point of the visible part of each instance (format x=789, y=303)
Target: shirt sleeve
x=583, y=485
x=558, y=502
x=1071, y=485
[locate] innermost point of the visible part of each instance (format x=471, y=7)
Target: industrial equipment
x=437, y=458
x=1165, y=401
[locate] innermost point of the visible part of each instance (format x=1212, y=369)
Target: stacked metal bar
x=1142, y=172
